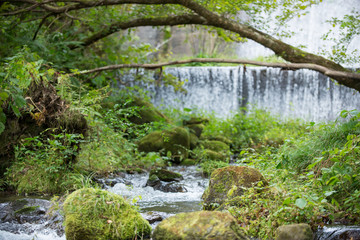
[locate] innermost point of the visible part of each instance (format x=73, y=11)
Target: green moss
x=227, y=183
x=216, y=146
x=197, y=129
x=195, y=120
x=212, y=155
x=176, y=141
x=26, y=209
x=147, y=112
x=218, y=138
x=101, y=215
x=199, y=225
x=189, y=162
x=194, y=140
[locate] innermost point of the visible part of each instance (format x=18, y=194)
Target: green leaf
x=187, y=109
x=301, y=203
x=329, y=193
x=332, y=181
x=286, y=201
x=2, y=127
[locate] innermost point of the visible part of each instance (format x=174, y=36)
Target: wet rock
x=166, y=175
x=157, y=184
x=227, y=183
x=300, y=231
x=27, y=215
x=152, y=217
x=176, y=141
x=338, y=233
x=199, y=225
x=99, y=214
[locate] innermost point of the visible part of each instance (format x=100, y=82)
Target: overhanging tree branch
x=286, y=66
x=161, y=21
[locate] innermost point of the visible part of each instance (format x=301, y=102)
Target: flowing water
x=291, y=94
x=153, y=204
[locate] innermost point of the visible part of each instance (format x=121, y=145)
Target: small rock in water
x=152, y=217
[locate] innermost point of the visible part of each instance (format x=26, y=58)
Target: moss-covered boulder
x=147, y=112
x=194, y=140
x=216, y=146
x=199, y=225
x=189, y=162
x=227, y=183
x=176, y=141
x=300, y=231
x=166, y=175
x=197, y=129
x=195, y=120
x=218, y=138
x=96, y=214
x=208, y=154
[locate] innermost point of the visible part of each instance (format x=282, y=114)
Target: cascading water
x=291, y=94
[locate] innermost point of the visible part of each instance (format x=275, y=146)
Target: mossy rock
x=218, y=138
x=227, y=183
x=197, y=129
x=194, y=140
x=199, y=225
x=195, y=120
x=214, y=156
x=96, y=214
x=300, y=231
x=176, y=141
x=147, y=112
x=189, y=162
x=166, y=175
x=216, y=146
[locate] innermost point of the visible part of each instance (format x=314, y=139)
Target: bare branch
x=287, y=66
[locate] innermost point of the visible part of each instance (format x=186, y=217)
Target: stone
x=212, y=155
x=199, y=225
x=227, y=183
x=216, y=146
x=194, y=140
x=98, y=214
x=147, y=112
x=159, y=185
x=166, y=175
x=195, y=120
x=176, y=141
x=197, y=129
x=300, y=231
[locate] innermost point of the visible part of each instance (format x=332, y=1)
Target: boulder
x=194, y=140
x=218, y=138
x=189, y=162
x=98, y=214
x=147, y=113
x=300, y=231
x=227, y=183
x=176, y=141
x=166, y=175
x=195, y=120
x=199, y=225
x=157, y=184
x=197, y=129
x=216, y=146
x=212, y=155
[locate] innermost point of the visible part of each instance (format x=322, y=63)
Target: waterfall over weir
x=291, y=94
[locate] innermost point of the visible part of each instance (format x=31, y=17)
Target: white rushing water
x=302, y=94
x=149, y=199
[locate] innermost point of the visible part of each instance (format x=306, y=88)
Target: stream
x=154, y=205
